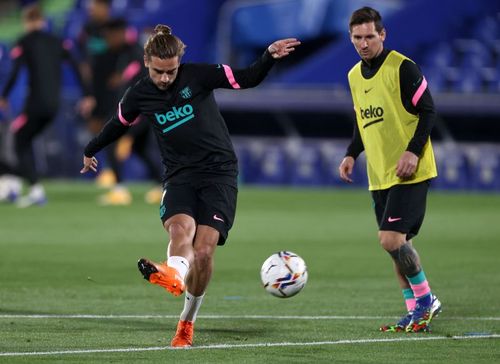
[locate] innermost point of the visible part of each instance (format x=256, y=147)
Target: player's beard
x=163, y=85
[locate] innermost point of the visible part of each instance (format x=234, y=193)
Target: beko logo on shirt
x=178, y=114
x=370, y=113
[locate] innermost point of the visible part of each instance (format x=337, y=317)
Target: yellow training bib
x=385, y=126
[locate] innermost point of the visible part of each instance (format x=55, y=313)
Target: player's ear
x=383, y=34
x=146, y=61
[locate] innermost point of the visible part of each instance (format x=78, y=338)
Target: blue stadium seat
x=490, y=77
x=453, y=171
x=305, y=164
x=272, y=166
x=468, y=82
x=246, y=168
x=487, y=30
x=435, y=78
x=440, y=56
x=484, y=161
x=255, y=25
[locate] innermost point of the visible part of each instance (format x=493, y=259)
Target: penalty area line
x=256, y=345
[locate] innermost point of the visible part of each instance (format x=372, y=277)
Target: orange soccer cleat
x=162, y=275
x=184, y=335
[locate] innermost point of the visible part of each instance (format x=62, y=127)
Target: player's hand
x=89, y=163
x=345, y=169
x=407, y=165
x=282, y=48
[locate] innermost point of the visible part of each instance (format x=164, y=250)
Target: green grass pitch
x=70, y=291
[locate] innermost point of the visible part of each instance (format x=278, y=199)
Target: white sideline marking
x=256, y=345
x=217, y=317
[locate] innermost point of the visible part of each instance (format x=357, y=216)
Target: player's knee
x=181, y=232
x=391, y=240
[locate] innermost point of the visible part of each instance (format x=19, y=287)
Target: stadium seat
x=453, y=172
x=272, y=165
x=490, y=78
x=484, y=161
x=435, y=78
x=469, y=82
x=305, y=164
x=439, y=56
x=487, y=30
x=246, y=168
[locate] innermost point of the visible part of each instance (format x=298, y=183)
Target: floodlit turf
x=74, y=258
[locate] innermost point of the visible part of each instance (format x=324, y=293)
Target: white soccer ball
x=284, y=274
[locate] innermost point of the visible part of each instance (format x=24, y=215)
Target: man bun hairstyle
x=163, y=44
x=366, y=15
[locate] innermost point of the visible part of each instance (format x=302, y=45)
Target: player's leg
x=216, y=211
x=10, y=183
x=118, y=195
x=171, y=274
x=197, y=282
x=23, y=146
x=177, y=209
x=201, y=271
x=408, y=295
x=380, y=198
x=390, y=241
x=403, y=216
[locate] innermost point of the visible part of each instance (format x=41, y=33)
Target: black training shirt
x=191, y=133
x=43, y=54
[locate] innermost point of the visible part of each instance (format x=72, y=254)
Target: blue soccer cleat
x=422, y=316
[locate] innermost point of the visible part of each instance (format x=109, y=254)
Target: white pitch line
x=256, y=345
x=217, y=317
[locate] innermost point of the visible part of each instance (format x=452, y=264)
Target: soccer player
x=128, y=70
x=395, y=115
x=199, y=198
x=43, y=54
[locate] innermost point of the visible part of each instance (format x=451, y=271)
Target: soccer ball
x=284, y=274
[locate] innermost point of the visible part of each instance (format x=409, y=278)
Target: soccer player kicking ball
x=199, y=198
x=395, y=115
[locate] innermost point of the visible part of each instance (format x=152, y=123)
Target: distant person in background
x=42, y=54
x=199, y=198
x=97, y=66
x=395, y=115
x=129, y=69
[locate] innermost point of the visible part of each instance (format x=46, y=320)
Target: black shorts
x=208, y=203
x=401, y=208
